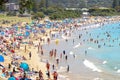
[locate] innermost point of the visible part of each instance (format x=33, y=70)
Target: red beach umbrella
x=12, y=51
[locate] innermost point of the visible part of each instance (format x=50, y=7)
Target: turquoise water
x=109, y=52
x=108, y=37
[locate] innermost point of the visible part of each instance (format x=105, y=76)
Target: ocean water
x=98, y=48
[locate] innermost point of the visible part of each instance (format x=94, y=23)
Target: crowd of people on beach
x=14, y=37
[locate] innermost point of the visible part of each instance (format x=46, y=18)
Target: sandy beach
x=35, y=42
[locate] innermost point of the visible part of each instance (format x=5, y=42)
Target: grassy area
x=13, y=20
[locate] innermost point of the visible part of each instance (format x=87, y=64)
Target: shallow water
x=105, y=58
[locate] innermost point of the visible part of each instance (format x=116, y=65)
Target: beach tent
x=24, y=66
x=1, y=58
x=12, y=78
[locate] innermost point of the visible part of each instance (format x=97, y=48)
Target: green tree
x=29, y=5
x=42, y=4
x=117, y=8
x=115, y=3
x=22, y=6
x=25, y=5
x=2, y=2
x=38, y=15
x=35, y=6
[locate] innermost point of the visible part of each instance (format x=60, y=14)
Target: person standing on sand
x=30, y=55
x=48, y=40
x=53, y=67
x=55, y=52
x=42, y=52
x=66, y=57
x=60, y=55
x=38, y=47
x=55, y=75
x=64, y=52
x=40, y=74
x=47, y=66
x=25, y=48
x=68, y=68
x=48, y=74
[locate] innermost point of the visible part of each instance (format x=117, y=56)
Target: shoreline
x=35, y=55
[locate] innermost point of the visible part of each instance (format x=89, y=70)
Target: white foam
x=65, y=37
x=104, y=62
x=71, y=53
x=62, y=69
x=91, y=48
x=76, y=46
x=97, y=79
x=91, y=66
x=61, y=77
x=118, y=71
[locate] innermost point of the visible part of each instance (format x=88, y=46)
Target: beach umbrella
x=42, y=31
x=1, y=58
x=48, y=26
x=24, y=66
x=34, y=31
x=40, y=25
x=28, y=27
x=56, y=41
x=20, y=37
x=27, y=33
x=56, y=26
x=2, y=32
x=16, y=28
x=12, y=78
x=19, y=34
x=12, y=51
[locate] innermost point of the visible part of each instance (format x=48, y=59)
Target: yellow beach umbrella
x=56, y=41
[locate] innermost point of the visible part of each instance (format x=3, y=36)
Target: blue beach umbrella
x=56, y=26
x=11, y=78
x=40, y=25
x=25, y=66
x=1, y=58
x=16, y=28
x=34, y=31
x=28, y=27
x=42, y=31
x=48, y=26
x=27, y=33
x=2, y=33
